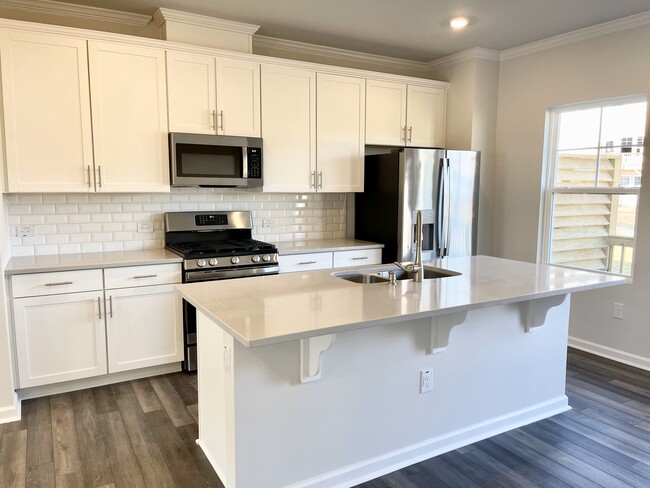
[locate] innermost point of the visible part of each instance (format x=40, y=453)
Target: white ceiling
x=408, y=29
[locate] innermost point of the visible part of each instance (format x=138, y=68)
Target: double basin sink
x=381, y=275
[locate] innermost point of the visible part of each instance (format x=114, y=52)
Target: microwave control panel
x=254, y=162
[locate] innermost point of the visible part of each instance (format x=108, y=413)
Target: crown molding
x=80, y=11
x=343, y=54
x=163, y=15
x=468, y=54
x=578, y=35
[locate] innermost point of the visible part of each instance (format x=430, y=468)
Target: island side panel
x=366, y=417
x=216, y=398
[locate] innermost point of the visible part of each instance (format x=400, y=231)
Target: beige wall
x=471, y=115
x=608, y=66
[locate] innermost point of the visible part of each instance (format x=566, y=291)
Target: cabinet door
x=356, y=257
x=192, y=92
x=129, y=114
x=289, y=128
x=426, y=116
x=292, y=263
x=144, y=327
x=340, y=134
x=59, y=338
x=238, y=98
x=46, y=113
x=385, y=113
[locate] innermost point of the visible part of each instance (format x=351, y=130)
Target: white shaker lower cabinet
x=64, y=333
x=142, y=327
x=291, y=263
x=59, y=336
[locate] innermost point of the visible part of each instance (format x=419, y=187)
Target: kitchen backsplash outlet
x=94, y=222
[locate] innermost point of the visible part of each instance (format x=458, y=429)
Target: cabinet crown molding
x=164, y=15
x=81, y=11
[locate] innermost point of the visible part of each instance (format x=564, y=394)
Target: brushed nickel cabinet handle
x=99, y=306
x=139, y=277
x=88, y=173
x=403, y=138
x=60, y=283
x=99, y=170
x=110, y=301
x=360, y=258
x=306, y=262
x=221, y=115
x=313, y=179
x=320, y=180
x=214, y=119
x=410, y=133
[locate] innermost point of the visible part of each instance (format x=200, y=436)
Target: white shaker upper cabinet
x=210, y=95
x=426, y=116
x=340, y=135
x=289, y=129
x=48, y=135
x=398, y=114
x=385, y=113
x=129, y=114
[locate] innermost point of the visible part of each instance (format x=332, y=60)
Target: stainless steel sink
x=369, y=276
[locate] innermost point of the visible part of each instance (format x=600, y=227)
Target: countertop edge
x=393, y=319
x=95, y=261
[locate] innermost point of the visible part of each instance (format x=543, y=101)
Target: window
x=592, y=185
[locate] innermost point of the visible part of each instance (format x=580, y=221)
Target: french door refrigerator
x=442, y=183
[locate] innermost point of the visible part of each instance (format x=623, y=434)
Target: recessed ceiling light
x=458, y=23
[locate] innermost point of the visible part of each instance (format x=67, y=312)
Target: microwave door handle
x=244, y=172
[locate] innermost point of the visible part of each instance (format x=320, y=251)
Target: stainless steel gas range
x=215, y=246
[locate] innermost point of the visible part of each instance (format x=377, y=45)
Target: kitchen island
x=307, y=379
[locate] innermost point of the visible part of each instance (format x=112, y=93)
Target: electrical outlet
x=267, y=223
x=25, y=231
x=618, y=311
x=145, y=227
x=426, y=381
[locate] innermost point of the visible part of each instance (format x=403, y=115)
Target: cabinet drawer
x=39, y=284
x=305, y=262
x=357, y=257
x=154, y=274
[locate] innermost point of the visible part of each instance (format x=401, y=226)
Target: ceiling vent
x=207, y=31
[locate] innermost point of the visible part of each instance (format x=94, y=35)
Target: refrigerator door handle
x=449, y=205
x=441, y=210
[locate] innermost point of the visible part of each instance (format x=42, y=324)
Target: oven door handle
x=224, y=274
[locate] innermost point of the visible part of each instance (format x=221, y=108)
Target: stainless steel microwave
x=211, y=160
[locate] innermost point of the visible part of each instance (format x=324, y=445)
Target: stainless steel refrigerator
x=443, y=184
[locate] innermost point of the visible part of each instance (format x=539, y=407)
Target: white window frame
x=549, y=172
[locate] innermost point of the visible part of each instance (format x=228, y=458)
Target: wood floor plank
x=40, y=476
x=39, y=432
x=179, y=461
x=13, y=454
x=186, y=389
x=498, y=472
x=146, y=395
x=194, y=412
x=147, y=452
x=104, y=400
x=617, y=405
x=124, y=466
x=67, y=462
x=511, y=459
x=621, y=431
x=92, y=450
x=189, y=433
x=171, y=401
x=589, y=457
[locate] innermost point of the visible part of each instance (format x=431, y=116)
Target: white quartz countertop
x=272, y=309
x=90, y=260
x=324, y=245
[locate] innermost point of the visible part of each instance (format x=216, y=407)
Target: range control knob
x=200, y=263
x=255, y=259
x=266, y=258
x=213, y=262
x=234, y=260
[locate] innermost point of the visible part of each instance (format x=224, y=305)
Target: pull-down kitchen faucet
x=416, y=266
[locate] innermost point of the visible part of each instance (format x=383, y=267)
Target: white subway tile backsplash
x=74, y=223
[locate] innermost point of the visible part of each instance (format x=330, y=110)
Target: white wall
x=608, y=66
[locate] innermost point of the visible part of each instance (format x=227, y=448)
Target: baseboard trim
x=10, y=413
x=82, y=384
x=610, y=353
x=381, y=465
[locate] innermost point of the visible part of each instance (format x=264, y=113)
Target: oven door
x=189, y=311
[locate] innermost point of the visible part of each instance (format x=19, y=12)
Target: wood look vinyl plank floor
x=141, y=434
